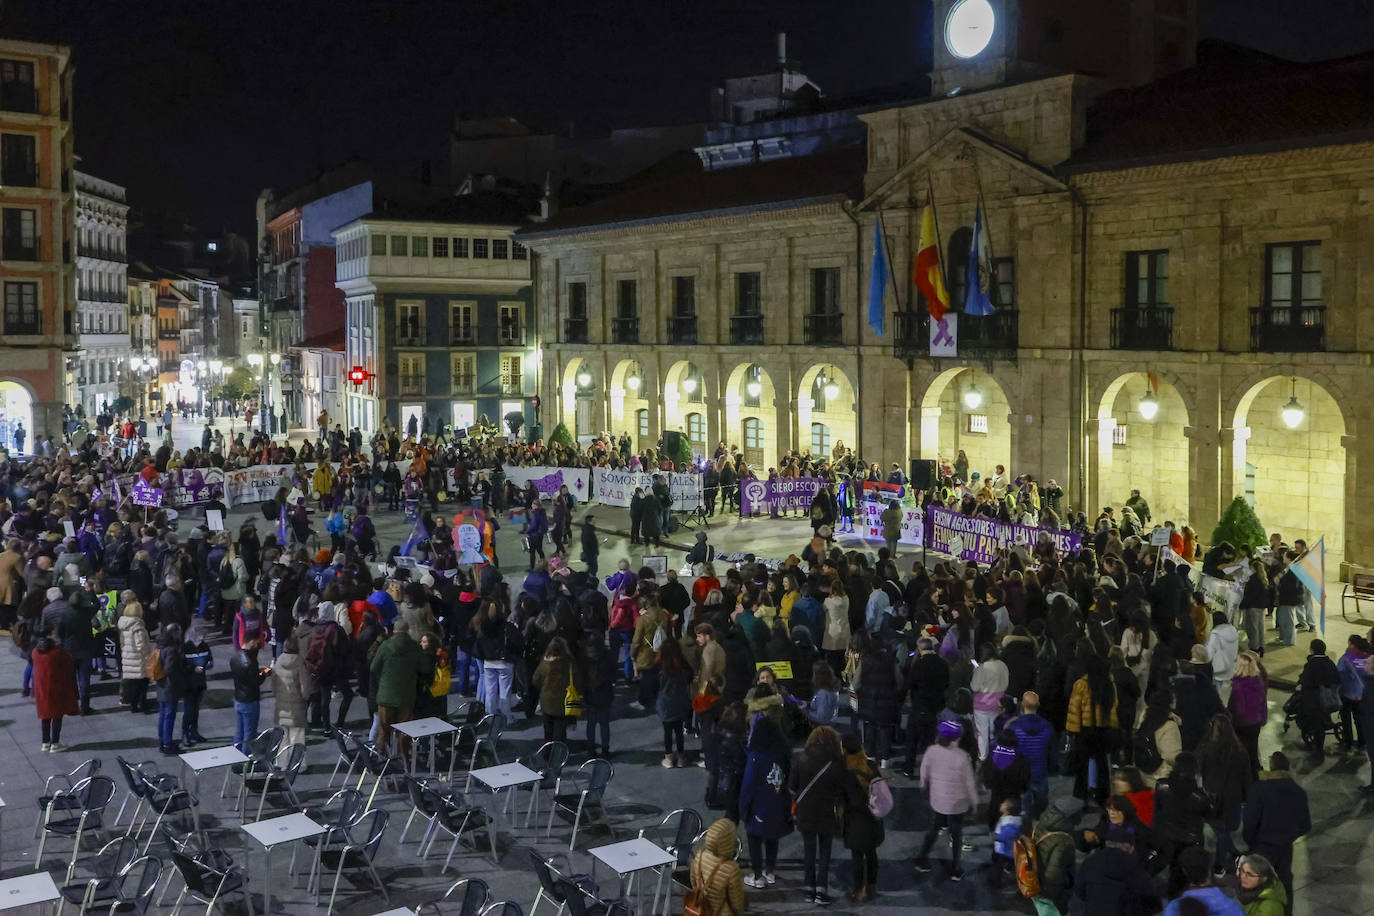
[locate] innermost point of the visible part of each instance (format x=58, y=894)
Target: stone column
x=786, y=409
x=1359, y=519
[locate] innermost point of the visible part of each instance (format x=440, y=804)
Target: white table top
x=632, y=855
x=423, y=728
x=213, y=757
x=26, y=890
x=505, y=775
x=399, y=911
x=283, y=829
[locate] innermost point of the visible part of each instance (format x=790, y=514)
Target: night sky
x=197, y=105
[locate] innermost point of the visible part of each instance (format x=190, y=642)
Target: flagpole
x=939, y=236
x=887, y=250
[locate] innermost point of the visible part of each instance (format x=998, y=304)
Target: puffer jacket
x=880, y=696
x=291, y=685
x=947, y=773
x=134, y=647
x=1083, y=713
x=716, y=874
x=642, y=643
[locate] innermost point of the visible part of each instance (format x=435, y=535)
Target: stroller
x=1314, y=722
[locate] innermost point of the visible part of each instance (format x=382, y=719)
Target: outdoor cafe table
x=274, y=831
x=626, y=858
x=27, y=890
x=424, y=728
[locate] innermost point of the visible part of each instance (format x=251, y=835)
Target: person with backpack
x=1158, y=740
x=651, y=631
x=863, y=827
x=717, y=889
x=765, y=801
x=326, y=661
x=561, y=686
x=213, y=575
x=233, y=579
x=1048, y=854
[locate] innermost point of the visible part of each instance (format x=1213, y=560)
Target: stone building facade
x=102, y=277
x=1198, y=243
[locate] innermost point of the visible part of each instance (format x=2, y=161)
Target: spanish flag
x=929, y=278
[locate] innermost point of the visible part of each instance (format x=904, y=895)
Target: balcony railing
x=512, y=334
x=15, y=251
x=20, y=177
x=823, y=328
x=746, y=330
x=575, y=330
x=682, y=329
x=284, y=304
x=512, y=388
x=1288, y=329
x=985, y=335
x=412, y=384
x=625, y=331
x=409, y=335
x=459, y=334
x=464, y=382
x=1143, y=328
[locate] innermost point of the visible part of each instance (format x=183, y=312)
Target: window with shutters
x=21, y=309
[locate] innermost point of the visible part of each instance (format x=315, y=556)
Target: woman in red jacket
x=54, y=690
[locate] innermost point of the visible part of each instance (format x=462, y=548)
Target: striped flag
x=417, y=534
x=1310, y=569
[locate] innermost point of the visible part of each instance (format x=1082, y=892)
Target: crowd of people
x=800, y=690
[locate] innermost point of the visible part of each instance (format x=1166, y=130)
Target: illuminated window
x=820, y=440
x=978, y=423
x=1119, y=434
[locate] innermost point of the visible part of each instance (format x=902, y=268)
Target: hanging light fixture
x=689, y=384
x=973, y=398
x=1292, y=412
x=831, y=387
x=584, y=378
x=1149, y=406
x=633, y=381
x=753, y=387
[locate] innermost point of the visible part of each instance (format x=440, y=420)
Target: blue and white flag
x=877, y=281
x=417, y=534
x=979, y=300
x=283, y=532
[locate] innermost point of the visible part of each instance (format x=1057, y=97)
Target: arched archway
x=579, y=410
x=1290, y=465
x=751, y=416
x=964, y=409
x=684, y=393
x=825, y=410
x=1141, y=445
x=16, y=412
x=629, y=405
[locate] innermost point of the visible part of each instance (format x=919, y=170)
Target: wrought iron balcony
x=1143, y=328
x=20, y=97
x=17, y=251
x=409, y=335
x=823, y=328
x=512, y=334
x=746, y=330
x=464, y=382
x=625, y=331
x=459, y=334
x=575, y=330
x=995, y=335
x=1288, y=329
x=682, y=329
x=412, y=384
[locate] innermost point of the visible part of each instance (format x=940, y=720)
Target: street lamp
x=584, y=379
x=973, y=399
x=754, y=387
x=1292, y=412
x=831, y=387
x=689, y=385
x=1148, y=406
x=633, y=381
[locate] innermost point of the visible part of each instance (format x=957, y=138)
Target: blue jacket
x=1034, y=738
x=1351, y=670
x=765, y=804
x=805, y=612
x=1218, y=904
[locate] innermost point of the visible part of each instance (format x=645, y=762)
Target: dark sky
x=197, y=105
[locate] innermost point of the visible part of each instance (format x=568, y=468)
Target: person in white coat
x=291, y=686
x=1223, y=643
x=134, y=647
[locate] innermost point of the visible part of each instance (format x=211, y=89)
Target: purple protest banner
x=194, y=486
x=146, y=495
x=785, y=494
x=982, y=538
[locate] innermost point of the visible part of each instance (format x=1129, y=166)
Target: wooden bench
x=1360, y=587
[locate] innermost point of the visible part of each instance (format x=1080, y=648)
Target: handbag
x=1330, y=699
x=802, y=793
x=572, y=701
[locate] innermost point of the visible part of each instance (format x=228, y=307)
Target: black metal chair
x=195, y=847
x=205, y=884
x=73, y=813
x=166, y=795
x=422, y=802
x=508, y=908
x=134, y=890
x=555, y=881
x=262, y=756
x=105, y=866
x=278, y=779
x=350, y=752
x=548, y=761
x=133, y=788
x=455, y=815
x=381, y=765
x=467, y=903
x=676, y=834
x=589, y=788
x=338, y=820
x=356, y=855
x=581, y=903
x=485, y=736
x=64, y=783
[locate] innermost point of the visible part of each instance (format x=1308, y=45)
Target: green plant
x=1239, y=526
x=560, y=435
x=238, y=385
x=684, y=452
x=122, y=404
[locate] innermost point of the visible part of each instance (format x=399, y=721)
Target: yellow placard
x=781, y=670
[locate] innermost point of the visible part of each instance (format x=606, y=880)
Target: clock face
x=968, y=27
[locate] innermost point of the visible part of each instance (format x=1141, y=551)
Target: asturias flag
x=877, y=281
x=979, y=300
x=929, y=278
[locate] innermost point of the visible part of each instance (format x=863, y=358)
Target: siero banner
x=783, y=494
x=615, y=488
x=547, y=480
x=913, y=523
x=983, y=538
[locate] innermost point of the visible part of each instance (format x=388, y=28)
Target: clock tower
x=982, y=43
